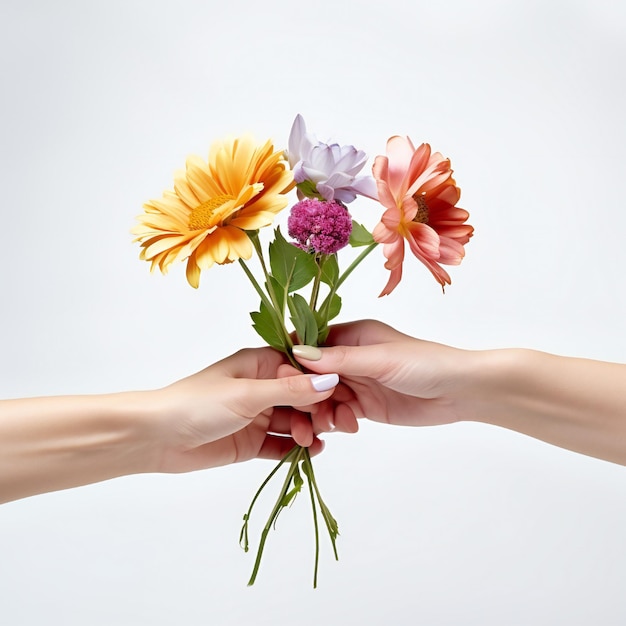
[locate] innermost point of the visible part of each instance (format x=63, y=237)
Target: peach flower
x=417, y=189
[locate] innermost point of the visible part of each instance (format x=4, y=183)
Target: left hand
x=235, y=410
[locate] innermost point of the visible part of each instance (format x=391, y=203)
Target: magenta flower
x=327, y=171
x=319, y=226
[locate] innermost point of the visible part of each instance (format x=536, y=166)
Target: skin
x=223, y=414
x=389, y=377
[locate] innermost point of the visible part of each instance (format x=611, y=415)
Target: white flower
x=327, y=171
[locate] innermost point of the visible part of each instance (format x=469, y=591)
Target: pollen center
x=422, y=210
x=207, y=214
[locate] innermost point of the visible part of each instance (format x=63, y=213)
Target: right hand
x=388, y=377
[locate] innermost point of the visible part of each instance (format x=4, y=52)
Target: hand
x=220, y=415
x=235, y=410
x=386, y=376
x=574, y=403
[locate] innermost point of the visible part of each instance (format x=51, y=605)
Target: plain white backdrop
x=457, y=525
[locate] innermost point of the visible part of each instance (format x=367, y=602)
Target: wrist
x=489, y=383
x=133, y=427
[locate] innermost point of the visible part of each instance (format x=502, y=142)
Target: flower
x=205, y=218
x=419, y=193
x=319, y=226
x=327, y=171
x=213, y=214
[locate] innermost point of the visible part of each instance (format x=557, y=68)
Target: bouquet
x=217, y=208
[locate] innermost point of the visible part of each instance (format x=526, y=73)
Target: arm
x=578, y=404
x=220, y=415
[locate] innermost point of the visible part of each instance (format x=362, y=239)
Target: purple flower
x=327, y=171
x=320, y=226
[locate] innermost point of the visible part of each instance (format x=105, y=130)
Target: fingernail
x=310, y=353
x=324, y=382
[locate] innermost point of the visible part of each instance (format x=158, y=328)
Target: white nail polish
x=324, y=382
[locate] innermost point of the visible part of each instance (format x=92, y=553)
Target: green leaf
x=308, y=188
x=303, y=319
x=279, y=292
x=295, y=490
x=265, y=324
x=291, y=267
x=322, y=317
x=360, y=236
x=330, y=269
x=334, y=308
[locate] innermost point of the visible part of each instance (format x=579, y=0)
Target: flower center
x=204, y=215
x=422, y=210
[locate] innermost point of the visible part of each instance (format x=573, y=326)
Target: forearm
x=578, y=404
x=47, y=444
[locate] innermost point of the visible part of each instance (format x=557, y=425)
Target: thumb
x=299, y=390
x=368, y=361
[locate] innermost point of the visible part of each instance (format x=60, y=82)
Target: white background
x=465, y=524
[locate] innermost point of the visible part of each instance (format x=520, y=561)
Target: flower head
x=417, y=189
x=327, y=171
x=205, y=218
x=320, y=226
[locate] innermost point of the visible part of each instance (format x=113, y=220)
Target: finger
x=368, y=361
x=252, y=363
x=277, y=447
x=322, y=419
x=287, y=370
x=345, y=419
x=288, y=421
x=361, y=333
x=302, y=429
x=258, y=395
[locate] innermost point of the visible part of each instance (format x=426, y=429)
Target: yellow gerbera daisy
x=205, y=218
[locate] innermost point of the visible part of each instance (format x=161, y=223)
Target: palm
x=381, y=403
x=403, y=385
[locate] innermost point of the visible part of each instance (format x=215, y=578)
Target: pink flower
x=319, y=226
x=417, y=189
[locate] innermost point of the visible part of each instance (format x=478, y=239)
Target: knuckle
x=293, y=384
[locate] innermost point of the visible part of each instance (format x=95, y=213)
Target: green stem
x=243, y=537
x=331, y=522
x=323, y=309
x=278, y=319
x=315, y=526
x=275, y=511
x=256, y=285
x=275, y=306
x=270, y=288
x=315, y=290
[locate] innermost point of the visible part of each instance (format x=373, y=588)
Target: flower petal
x=298, y=131
x=255, y=180
x=423, y=240
x=193, y=272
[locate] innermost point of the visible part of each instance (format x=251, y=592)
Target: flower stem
x=256, y=285
x=274, y=305
x=243, y=537
x=323, y=310
x=331, y=522
x=354, y=265
x=315, y=290
x=315, y=527
x=283, y=500
x=278, y=319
